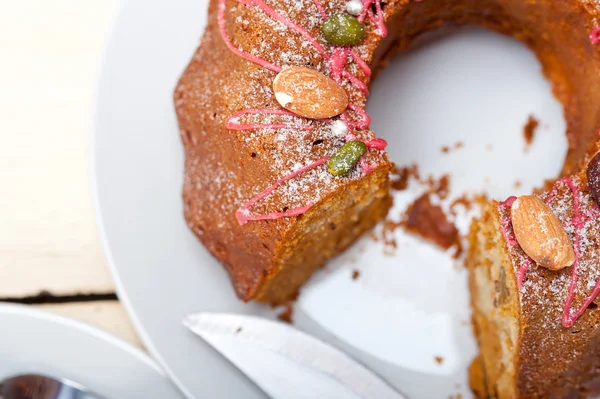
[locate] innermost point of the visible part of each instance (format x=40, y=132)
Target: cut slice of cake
x=538, y=329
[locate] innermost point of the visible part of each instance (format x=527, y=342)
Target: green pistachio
x=344, y=159
x=343, y=30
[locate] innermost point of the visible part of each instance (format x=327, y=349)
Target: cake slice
x=538, y=329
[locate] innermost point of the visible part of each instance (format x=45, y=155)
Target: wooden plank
x=107, y=315
x=48, y=63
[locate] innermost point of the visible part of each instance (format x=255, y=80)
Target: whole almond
x=309, y=93
x=540, y=234
x=593, y=176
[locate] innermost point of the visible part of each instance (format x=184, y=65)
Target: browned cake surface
x=267, y=260
x=226, y=168
x=525, y=350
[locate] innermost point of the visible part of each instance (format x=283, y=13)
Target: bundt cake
x=282, y=171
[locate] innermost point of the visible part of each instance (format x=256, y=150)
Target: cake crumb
x=430, y=222
x=287, y=315
x=439, y=359
x=518, y=184
x=401, y=176
x=489, y=147
x=442, y=187
x=458, y=145
x=468, y=202
x=387, y=233
x=464, y=200
x=529, y=130
x=422, y=217
x=439, y=187
x=238, y=330
x=355, y=274
x=373, y=236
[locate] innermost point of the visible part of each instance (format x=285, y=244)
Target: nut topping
x=309, y=93
x=540, y=233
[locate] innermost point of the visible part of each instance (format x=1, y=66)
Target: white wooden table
x=49, y=56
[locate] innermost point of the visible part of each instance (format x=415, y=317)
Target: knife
x=285, y=362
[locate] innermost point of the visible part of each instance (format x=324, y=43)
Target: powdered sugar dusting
x=281, y=19
x=561, y=296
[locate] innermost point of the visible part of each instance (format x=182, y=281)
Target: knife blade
x=286, y=362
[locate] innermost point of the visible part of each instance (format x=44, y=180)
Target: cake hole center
x=460, y=105
x=474, y=87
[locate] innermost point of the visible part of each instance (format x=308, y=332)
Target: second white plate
x=37, y=342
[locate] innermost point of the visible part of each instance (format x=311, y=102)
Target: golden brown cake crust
x=269, y=260
x=538, y=336
x=226, y=168
x=563, y=356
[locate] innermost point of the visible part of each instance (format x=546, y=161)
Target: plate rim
x=86, y=328
x=98, y=212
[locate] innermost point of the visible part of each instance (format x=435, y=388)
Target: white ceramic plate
x=407, y=307
x=37, y=342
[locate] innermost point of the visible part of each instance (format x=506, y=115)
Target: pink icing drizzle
x=364, y=120
x=366, y=166
x=377, y=144
x=377, y=19
x=522, y=271
x=296, y=28
x=243, y=214
x=359, y=61
x=511, y=239
x=509, y=235
x=337, y=62
x=237, y=51
x=595, y=35
x=321, y=9
x=578, y=222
